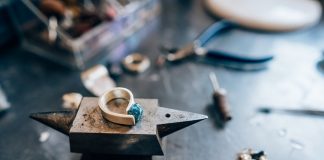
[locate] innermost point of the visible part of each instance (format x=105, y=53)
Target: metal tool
x=52, y=27
x=97, y=80
x=71, y=100
x=90, y=133
x=310, y=112
x=196, y=48
x=219, y=97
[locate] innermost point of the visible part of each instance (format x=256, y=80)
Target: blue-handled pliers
x=197, y=46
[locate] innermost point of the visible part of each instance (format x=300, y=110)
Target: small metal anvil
x=90, y=133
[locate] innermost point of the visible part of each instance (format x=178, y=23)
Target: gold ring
x=136, y=63
x=117, y=93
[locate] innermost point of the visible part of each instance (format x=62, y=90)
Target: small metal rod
x=214, y=81
x=310, y=112
x=219, y=98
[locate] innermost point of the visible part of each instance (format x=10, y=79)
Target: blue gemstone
x=137, y=111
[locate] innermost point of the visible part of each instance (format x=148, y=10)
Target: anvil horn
x=60, y=120
x=170, y=120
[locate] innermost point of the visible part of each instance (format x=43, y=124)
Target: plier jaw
x=189, y=50
x=197, y=48
x=178, y=55
x=186, y=51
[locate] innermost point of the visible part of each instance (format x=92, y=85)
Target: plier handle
x=197, y=46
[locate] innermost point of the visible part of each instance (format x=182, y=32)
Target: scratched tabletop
x=293, y=80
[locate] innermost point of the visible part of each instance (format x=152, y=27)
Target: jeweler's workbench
x=293, y=80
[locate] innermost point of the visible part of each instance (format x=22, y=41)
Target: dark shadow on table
x=113, y=157
x=214, y=113
x=320, y=66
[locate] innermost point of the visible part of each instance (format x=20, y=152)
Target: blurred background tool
x=309, y=112
x=71, y=100
x=197, y=48
x=264, y=15
x=97, y=80
x=219, y=97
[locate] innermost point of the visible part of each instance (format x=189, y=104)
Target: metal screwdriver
x=219, y=98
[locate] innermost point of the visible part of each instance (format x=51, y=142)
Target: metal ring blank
x=117, y=93
x=136, y=63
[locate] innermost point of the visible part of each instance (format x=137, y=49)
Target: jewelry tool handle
x=219, y=98
x=213, y=30
x=217, y=29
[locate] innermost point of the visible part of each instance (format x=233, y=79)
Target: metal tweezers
x=197, y=46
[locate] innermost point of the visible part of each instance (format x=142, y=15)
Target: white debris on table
x=71, y=100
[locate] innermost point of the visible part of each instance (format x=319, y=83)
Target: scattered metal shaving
x=44, y=136
x=249, y=154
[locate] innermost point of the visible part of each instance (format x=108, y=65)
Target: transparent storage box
x=93, y=45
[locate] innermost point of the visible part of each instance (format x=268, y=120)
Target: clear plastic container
x=92, y=46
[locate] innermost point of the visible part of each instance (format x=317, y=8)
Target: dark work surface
x=294, y=79
x=8, y=31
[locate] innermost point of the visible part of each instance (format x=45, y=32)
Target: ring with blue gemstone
x=133, y=112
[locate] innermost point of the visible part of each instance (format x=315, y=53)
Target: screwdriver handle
x=221, y=103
